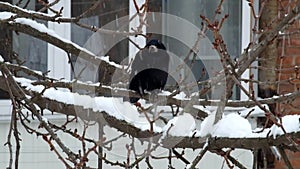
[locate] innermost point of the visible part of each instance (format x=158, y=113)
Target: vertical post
x=133, y=24
x=59, y=66
x=246, y=39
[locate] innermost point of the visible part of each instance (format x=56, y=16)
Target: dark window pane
x=191, y=11
x=39, y=5
x=106, y=12
x=32, y=51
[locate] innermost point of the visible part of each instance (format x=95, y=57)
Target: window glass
x=191, y=11
x=105, y=12
x=31, y=51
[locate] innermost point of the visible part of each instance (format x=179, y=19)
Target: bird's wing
x=136, y=64
x=161, y=60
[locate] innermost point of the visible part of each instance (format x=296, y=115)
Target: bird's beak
x=152, y=49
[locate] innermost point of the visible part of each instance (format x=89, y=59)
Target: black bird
x=149, y=69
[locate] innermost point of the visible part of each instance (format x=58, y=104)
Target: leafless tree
x=36, y=103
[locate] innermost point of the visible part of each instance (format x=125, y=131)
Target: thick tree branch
x=285, y=158
x=69, y=47
x=108, y=91
x=119, y=92
x=181, y=142
x=57, y=18
x=243, y=143
x=20, y=95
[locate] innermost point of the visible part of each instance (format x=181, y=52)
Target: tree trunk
x=268, y=57
x=267, y=73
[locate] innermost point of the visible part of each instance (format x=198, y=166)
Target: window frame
x=245, y=40
x=59, y=65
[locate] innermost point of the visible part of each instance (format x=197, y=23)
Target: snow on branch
x=244, y=143
x=108, y=107
x=108, y=91
x=5, y=6
x=24, y=13
x=40, y=31
x=63, y=101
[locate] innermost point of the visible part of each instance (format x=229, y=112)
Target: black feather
x=149, y=69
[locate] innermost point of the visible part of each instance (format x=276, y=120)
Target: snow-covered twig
x=135, y=131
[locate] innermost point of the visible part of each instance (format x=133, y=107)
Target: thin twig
x=200, y=155
x=285, y=158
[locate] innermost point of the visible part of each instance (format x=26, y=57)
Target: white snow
x=42, y=28
x=233, y=126
x=164, y=93
x=39, y=26
x=290, y=123
x=106, y=59
x=255, y=111
x=227, y=110
x=1, y=59
x=182, y=125
x=113, y=106
x=276, y=152
x=165, y=108
x=181, y=96
x=207, y=125
x=45, y=119
x=6, y=15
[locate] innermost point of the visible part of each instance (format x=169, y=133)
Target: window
x=17, y=44
x=31, y=51
x=35, y=54
x=105, y=12
x=236, y=33
x=41, y=56
x=231, y=32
